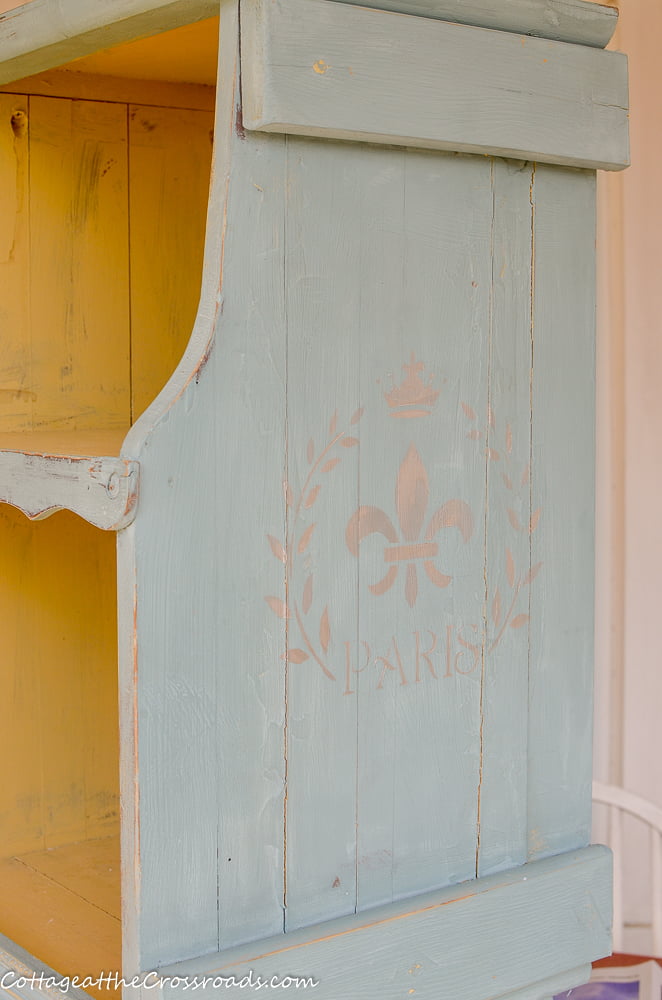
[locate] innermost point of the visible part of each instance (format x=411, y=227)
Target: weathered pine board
x=316, y=68
x=505, y=432
x=425, y=303
x=562, y=488
x=16, y=396
x=79, y=308
x=561, y=20
x=203, y=833
x=323, y=280
x=169, y=163
x=483, y=940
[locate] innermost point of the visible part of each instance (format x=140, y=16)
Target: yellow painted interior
x=102, y=216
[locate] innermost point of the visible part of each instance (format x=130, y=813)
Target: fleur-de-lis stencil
x=412, y=494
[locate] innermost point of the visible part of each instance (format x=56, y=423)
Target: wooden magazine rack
x=353, y=508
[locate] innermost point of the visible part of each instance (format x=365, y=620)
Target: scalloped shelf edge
x=103, y=491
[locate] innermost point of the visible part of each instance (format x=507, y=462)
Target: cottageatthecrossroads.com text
x=152, y=980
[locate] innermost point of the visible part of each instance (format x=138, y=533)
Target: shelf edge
x=103, y=491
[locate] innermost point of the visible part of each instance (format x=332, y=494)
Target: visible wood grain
x=65, y=930
x=104, y=491
x=562, y=486
x=170, y=160
x=79, y=308
x=345, y=72
x=113, y=89
x=507, y=446
x=40, y=35
x=484, y=939
x=16, y=394
x=57, y=606
x=561, y=20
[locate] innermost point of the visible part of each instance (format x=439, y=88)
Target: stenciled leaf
x=519, y=621
x=490, y=416
x=474, y=435
x=297, y=656
x=304, y=541
x=514, y=520
x=469, y=412
x=533, y=523
x=508, y=483
x=277, y=549
x=278, y=607
x=310, y=451
x=493, y=454
x=289, y=494
x=510, y=568
x=357, y=416
x=496, y=608
x=332, y=425
x=325, y=630
x=312, y=497
x=349, y=442
x=533, y=573
x=331, y=464
x=307, y=599
x=509, y=439
x=525, y=475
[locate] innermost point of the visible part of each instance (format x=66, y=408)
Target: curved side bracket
x=103, y=491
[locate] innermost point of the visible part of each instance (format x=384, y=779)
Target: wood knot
x=19, y=124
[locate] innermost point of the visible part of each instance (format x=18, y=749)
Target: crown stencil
x=413, y=397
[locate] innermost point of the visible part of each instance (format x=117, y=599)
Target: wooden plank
x=103, y=491
x=89, y=868
x=316, y=68
x=170, y=162
x=113, y=89
x=204, y=850
x=325, y=193
x=561, y=20
x=562, y=501
x=79, y=264
x=67, y=933
x=42, y=34
x=505, y=437
x=16, y=394
x=426, y=255
x=540, y=921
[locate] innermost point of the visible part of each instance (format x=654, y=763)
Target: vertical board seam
x=490, y=324
x=531, y=357
x=130, y=260
x=288, y=548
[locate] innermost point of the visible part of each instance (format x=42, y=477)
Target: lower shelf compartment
x=63, y=906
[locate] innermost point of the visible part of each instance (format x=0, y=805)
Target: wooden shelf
x=42, y=472
x=63, y=905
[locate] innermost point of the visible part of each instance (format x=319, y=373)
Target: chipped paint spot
x=321, y=67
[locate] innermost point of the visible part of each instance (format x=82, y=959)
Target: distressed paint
x=562, y=481
x=419, y=82
x=485, y=939
x=355, y=305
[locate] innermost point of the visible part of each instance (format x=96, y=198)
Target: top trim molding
x=44, y=34
x=576, y=21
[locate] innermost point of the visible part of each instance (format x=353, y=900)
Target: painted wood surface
x=561, y=20
x=562, y=489
x=18, y=965
x=499, y=935
x=316, y=68
x=42, y=34
x=103, y=491
x=350, y=658
x=169, y=188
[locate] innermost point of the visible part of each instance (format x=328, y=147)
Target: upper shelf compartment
x=104, y=180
